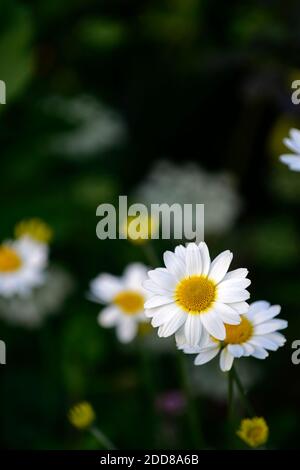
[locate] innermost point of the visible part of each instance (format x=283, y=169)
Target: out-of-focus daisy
x=22, y=266
x=254, y=336
x=94, y=128
x=30, y=311
x=34, y=229
x=193, y=186
x=293, y=143
x=125, y=297
x=194, y=297
x=254, y=431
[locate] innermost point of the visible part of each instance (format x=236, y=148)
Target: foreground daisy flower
x=293, y=144
x=22, y=266
x=254, y=432
x=254, y=336
x=125, y=297
x=194, y=297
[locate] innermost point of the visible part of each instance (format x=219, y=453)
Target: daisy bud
x=254, y=431
x=82, y=415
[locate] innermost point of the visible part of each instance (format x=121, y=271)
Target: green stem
x=192, y=412
x=242, y=392
x=101, y=438
x=230, y=395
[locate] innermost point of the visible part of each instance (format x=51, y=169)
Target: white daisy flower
x=22, y=266
x=254, y=336
x=293, y=143
x=194, y=297
x=125, y=297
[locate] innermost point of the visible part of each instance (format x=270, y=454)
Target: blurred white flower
x=31, y=311
x=254, y=336
x=293, y=143
x=95, y=128
x=193, y=297
x=189, y=184
x=125, y=297
x=22, y=266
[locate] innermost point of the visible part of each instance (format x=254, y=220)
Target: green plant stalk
x=101, y=438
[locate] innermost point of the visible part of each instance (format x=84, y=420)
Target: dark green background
x=204, y=81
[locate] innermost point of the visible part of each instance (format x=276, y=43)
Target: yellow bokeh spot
x=238, y=334
x=254, y=431
x=130, y=302
x=34, y=228
x=82, y=415
x=139, y=229
x=10, y=261
x=195, y=294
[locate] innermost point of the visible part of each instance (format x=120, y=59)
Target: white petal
x=180, y=252
x=150, y=286
x=206, y=355
x=205, y=258
x=232, y=295
x=260, y=353
x=264, y=342
x=236, y=350
x=214, y=325
x=193, y=260
x=292, y=161
x=235, y=284
x=277, y=338
x=220, y=266
x=106, y=287
x=163, y=278
x=158, y=300
x=193, y=329
x=248, y=349
x=226, y=360
x=109, y=316
x=134, y=275
x=256, y=307
x=270, y=327
x=240, y=273
x=163, y=314
x=227, y=313
x=126, y=330
x=240, y=307
x=174, y=264
x=171, y=326
x=266, y=315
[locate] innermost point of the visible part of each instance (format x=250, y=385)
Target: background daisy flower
x=193, y=297
x=125, y=297
x=254, y=336
x=22, y=266
x=293, y=143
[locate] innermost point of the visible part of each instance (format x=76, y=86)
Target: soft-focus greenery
x=187, y=80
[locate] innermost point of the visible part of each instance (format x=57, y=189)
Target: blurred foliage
x=191, y=80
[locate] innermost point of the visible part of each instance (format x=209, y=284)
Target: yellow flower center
x=10, y=261
x=34, y=228
x=254, y=431
x=130, y=302
x=195, y=294
x=238, y=334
